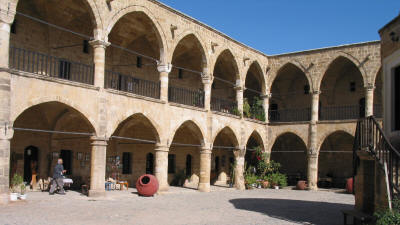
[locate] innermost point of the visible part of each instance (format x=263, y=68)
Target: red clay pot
x=301, y=185
x=349, y=185
x=147, y=185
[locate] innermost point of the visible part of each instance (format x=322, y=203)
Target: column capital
x=99, y=43
x=266, y=96
x=206, y=79
x=317, y=92
x=369, y=87
x=238, y=88
x=205, y=150
x=161, y=148
x=312, y=153
x=99, y=141
x=164, y=67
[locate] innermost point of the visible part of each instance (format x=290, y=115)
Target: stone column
x=266, y=105
x=164, y=70
x=239, y=98
x=205, y=169
x=207, y=82
x=99, y=60
x=98, y=167
x=5, y=105
x=239, y=169
x=369, y=100
x=312, y=155
x=161, y=167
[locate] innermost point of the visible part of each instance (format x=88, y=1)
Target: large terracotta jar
x=147, y=185
x=301, y=185
x=349, y=185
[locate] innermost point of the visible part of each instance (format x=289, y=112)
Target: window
x=139, y=62
x=85, y=47
x=396, y=99
x=306, y=89
x=188, y=165
x=180, y=74
x=352, y=86
x=64, y=69
x=171, y=163
x=13, y=28
x=126, y=163
x=150, y=163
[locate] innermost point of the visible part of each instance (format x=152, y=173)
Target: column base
x=97, y=193
x=204, y=187
x=4, y=198
x=163, y=188
x=240, y=187
x=313, y=188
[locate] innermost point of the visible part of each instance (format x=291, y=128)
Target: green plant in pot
x=277, y=180
x=250, y=181
x=23, y=194
x=16, y=183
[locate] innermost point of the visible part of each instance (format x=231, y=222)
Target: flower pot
x=13, y=197
x=301, y=185
x=22, y=197
x=276, y=187
x=349, y=185
x=265, y=184
x=147, y=185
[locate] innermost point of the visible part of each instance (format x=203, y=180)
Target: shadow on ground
x=297, y=211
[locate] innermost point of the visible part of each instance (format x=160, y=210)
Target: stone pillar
x=239, y=98
x=239, y=169
x=369, y=100
x=207, y=82
x=161, y=167
x=98, y=167
x=164, y=70
x=205, y=169
x=266, y=105
x=312, y=155
x=99, y=60
x=5, y=105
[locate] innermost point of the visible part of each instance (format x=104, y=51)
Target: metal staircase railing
x=371, y=138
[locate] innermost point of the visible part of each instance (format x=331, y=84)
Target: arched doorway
x=187, y=140
x=252, y=96
x=134, y=140
x=52, y=127
x=335, y=162
x=226, y=75
x=290, y=91
x=342, y=88
x=222, y=154
x=291, y=152
x=185, y=83
x=131, y=60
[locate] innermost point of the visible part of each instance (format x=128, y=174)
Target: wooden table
x=122, y=183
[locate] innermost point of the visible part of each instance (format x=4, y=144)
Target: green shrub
x=16, y=182
x=388, y=217
x=277, y=179
x=246, y=108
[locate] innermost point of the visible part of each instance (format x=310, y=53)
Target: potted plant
x=23, y=194
x=16, y=182
x=278, y=180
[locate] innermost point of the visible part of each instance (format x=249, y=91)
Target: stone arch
x=303, y=137
x=327, y=134
x=297, y=65
x=203, y=48
x=128, y=114
x=159, y=31
x=232, y=135
x=234, y=63
x=194, y=127
x=261, y=74
x=349, y=57
x=78, y=107
x=142, y=117
x=257, y=135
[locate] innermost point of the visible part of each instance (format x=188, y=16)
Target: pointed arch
x=257, y=67
x=255, y=135
x=324, y=137
x=294, y=64
x=161, y=37
x=229, y=133
x=227, y=52
x=192, y=126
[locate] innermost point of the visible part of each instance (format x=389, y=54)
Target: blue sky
x=281, y=26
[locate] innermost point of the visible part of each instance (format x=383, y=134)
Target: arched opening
x=253, y=143
x=291, y=152
x=41, y=49
x=223, y=94
x=335, y=162
x=131, y=64
x=252, y=96
x=378, y=95
x=291, y=100
x=134, y=140
x=37, y=143
x=222, y=154
x=189, y=164
x=187, y=140
x=342, y=88
x=185, y=84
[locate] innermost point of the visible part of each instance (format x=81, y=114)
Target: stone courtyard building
x=91, y=80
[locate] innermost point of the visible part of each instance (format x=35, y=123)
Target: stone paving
x=182, y=206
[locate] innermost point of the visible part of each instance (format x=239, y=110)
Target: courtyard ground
x=182, y=206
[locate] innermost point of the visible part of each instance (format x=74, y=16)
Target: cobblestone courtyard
x=182, y=206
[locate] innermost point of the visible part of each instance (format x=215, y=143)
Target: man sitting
x=57, y=182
